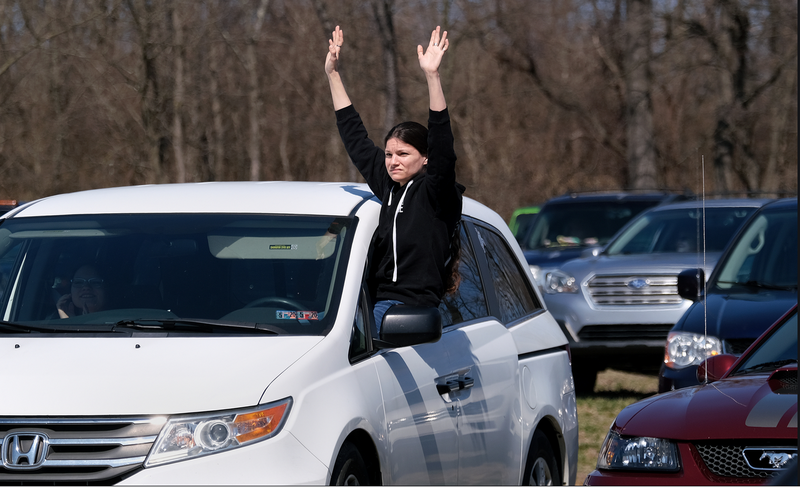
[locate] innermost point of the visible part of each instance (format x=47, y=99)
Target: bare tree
x=640, y=136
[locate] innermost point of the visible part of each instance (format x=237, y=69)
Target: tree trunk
x=254, y=100
x=383, y=16
x=641, y=150
x=178, y=142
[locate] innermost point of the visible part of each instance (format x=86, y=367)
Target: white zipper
x=394, y=227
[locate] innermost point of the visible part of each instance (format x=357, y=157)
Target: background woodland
x=546, y=96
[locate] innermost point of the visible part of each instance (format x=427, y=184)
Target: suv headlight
x=684, y=349
x=638, y=453
x=185, y=437
x=560, y=282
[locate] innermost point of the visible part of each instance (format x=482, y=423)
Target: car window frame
x=490, y=289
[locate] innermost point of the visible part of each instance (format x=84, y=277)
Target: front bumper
x=693, y=472
x=279, y=460
x=630, y=337
x=670, y=379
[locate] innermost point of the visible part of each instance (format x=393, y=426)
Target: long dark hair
x=416, y=135
x=412, y=133
x=453, y=276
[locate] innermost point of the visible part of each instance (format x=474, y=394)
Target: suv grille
x=71, y=450
x=634, y=290
x=728, y=460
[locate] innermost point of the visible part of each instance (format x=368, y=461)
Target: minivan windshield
x=580, y=225
x=763, y=257
x=680, y=230
x=206, y=273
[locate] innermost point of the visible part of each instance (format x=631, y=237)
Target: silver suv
x=617, y=307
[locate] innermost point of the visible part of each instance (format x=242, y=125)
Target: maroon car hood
x=737, y=407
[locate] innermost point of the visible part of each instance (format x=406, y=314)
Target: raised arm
x=429, y=61
x=338, y=93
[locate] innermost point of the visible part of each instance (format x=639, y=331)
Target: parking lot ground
x=596, y=412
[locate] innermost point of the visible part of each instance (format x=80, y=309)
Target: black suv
x=568, y=225
x=7, y=205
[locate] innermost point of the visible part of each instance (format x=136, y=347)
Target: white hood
x=140, y=376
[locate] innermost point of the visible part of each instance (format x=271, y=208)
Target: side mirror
x=715, y=366
x=591, y=252
x=690, y=284
x=405, y=325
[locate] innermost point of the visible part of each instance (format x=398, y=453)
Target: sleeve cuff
x=344, y=113
x=438, y=117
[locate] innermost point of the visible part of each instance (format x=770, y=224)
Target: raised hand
x=430, y=59
x=334, y=50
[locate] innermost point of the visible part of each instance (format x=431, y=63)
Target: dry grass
x=596, y=412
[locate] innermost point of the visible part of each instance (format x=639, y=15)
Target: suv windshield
x=196, y=272
x=581, y=225
x=680, y=230
x=764, y=256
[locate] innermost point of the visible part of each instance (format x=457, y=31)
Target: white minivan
x=220, y=333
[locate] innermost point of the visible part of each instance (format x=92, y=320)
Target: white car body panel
x=55, y=376
x=479, y=435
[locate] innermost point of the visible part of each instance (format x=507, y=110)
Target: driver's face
x=88, y=290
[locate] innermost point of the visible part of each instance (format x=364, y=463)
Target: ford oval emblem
x=638, y=283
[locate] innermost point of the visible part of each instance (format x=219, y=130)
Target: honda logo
x=24, y=450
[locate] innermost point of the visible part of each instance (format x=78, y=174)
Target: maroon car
x=739, y=426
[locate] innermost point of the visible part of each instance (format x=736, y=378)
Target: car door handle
x=454, y=385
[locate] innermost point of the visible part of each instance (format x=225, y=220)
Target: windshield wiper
x=767, y=366
x=9, y=327
x=760, y=285
x=189, y=324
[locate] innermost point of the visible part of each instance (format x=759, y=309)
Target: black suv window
x=511, y=285
x=469, y=301
x=581, y=224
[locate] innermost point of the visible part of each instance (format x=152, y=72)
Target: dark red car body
x=726, y=431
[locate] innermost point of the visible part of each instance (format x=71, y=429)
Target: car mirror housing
x=691, y=283
x=715, y=367
x=405, y=325
x=591, y=252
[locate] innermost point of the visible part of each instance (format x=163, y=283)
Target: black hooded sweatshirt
x=417, y=221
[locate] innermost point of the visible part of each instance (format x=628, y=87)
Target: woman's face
x=88, y=290
x=403, y=161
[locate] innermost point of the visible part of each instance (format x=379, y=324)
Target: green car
x=521, y=220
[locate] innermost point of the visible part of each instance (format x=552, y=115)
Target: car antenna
x=705, y=281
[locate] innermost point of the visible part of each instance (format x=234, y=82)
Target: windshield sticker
x=297, y=315
x=283, y=247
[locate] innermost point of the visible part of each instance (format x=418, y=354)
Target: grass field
x=597, y=411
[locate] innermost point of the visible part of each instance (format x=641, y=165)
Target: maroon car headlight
x=638, y=453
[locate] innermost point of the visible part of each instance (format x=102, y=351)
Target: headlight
x=684, y=349
x=560, y=282
x=638, y=453
x=187, y=437
x=538, y=275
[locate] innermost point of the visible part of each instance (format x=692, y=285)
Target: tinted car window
x=469, y=301
x=272, y=270
x=680, y=230
x=510, y=281
x=571, y=225
x=778, y=349
x=765, y=255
